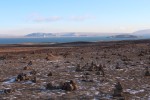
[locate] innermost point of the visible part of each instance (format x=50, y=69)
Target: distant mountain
x=124, y=36
x=145, y=32
x=40, y=35
x=137, y=34
x=69, y=34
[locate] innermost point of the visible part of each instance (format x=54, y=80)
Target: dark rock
x=33, y=72
x=86, y=73
x=57, y=66
x=2, y=58
x=91, y=67
x=69, y=86
x=22, y=77
x=30, y=63
x=98, y=73
x=100, y=69
x=50, y=74
x=147, y=73
x=34, y=80
x=49, y=86
x=118, y=90
x=7, y=91
x=97, y=58
x=117, y=66
x=86, y=79
x=66, y=62
x=78, y=68
x=26, y=68
x=82, y=58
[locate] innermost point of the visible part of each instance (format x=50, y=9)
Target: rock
x=34, y=80
x=147, y=73
x=49, y=74
x=117, y=66
x=51, y=57
x=86, y=73
x=33, y=72
x=91, y=67
x=1, y=80
x=119, y=87
x=22, y=77
x=78, y=68
x=118, y=90
x=49, y=86
x=69, y=86
x=98, y=73
x=30, y=63
x=81, y=58
x=66, y=62
x=2, y=57
x=7, y=91
x=97, y=58
x=100, y=69
x=86, y=79
x=57, y=66
x=74, y=85
x=26, y=68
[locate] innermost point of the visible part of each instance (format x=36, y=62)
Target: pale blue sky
x=26, y=16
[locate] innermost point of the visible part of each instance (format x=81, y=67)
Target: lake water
x=60, y=39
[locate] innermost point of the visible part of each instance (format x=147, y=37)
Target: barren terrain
x=125, y=62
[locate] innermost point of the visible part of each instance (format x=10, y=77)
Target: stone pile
x=118, y=92
x=147, y=73
x=22, y=77
x=67, y=86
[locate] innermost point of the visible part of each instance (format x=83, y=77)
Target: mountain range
x=124, y=36
x=139, y=33
x=40, y=35
x=142, y=32
x=68, y=34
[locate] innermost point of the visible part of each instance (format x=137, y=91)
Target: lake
x=60, y=39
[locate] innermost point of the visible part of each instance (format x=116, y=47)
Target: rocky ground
x=95, y=68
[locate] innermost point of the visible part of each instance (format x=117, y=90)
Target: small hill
x=124, y=36
x=145, y=32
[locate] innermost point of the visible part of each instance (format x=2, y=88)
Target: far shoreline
x=74, y=43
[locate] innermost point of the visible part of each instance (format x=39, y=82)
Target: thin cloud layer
x=39, y=18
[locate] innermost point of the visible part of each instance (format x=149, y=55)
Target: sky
x=20, y=17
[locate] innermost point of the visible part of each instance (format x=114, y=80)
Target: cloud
x=82, y=18
x=39, y=18
x=35, y=17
